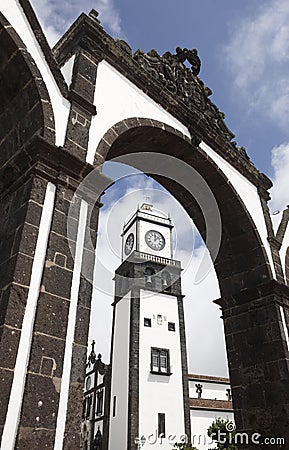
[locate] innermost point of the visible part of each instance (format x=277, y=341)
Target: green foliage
x=184, y=446
x=223, y=432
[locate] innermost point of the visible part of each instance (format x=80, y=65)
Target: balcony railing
x=157, y=259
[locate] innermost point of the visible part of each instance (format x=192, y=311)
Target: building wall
x=157, y=393
x=120, y=375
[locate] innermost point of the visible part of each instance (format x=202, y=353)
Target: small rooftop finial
x=92, y=356
x=146, y=206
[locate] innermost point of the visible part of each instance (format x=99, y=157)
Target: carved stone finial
x=191, y=56
x=94, y=15
x=99, y=365
x=199, y=389
x=229, y=394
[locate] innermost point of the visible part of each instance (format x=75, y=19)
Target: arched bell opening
x=166, y=281
x=149, y=274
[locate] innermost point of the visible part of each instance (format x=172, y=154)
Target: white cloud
x=56, y=16
x=280, y=190
x=204, y=328
x=257, y=57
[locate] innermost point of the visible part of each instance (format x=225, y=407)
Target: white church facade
x=64, y=112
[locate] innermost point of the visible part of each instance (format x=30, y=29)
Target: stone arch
x=25, y=107
x=242, y=261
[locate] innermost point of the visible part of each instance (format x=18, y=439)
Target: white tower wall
x=160, y=393
x=120, y=376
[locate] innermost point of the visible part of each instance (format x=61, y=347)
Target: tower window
x=161, y=425
x=114, y=406
x=160, y=361
x=171, y=326
x=99, y=403
x=147, y=322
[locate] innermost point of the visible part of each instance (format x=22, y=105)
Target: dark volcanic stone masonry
x=253, y=298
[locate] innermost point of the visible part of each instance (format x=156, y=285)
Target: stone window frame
x=162, y=354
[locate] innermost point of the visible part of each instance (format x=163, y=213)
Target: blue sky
x=244, y=49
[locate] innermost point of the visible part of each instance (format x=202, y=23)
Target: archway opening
x=239, y=258
x=241, y=261
x=204, y=328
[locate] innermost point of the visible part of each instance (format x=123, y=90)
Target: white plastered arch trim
x=284, y=247
x=61, y=107
x=248, y=194
x=117, y=99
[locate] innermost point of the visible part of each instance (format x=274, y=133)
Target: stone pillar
x=81, y=95
x=21, y=210
x=59, y=302
x=256, y=329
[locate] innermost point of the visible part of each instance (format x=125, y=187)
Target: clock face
x=155, y=240
x=129, y=244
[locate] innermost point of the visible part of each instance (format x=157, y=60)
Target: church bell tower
x=149, y=385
